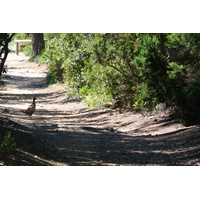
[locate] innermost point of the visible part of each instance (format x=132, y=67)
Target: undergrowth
x=6, y=141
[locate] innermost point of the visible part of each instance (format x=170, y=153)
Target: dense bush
x=139, y=70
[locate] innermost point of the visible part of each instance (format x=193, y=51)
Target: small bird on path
x=31, y=109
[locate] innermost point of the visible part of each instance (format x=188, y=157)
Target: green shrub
x=97, y=89
x=142, y=70
x=6, y=141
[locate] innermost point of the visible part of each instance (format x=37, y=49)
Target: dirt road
x=67, y=132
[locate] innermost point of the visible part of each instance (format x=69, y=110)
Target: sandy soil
x=66, y=131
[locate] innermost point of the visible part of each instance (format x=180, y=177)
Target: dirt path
x=67, y=132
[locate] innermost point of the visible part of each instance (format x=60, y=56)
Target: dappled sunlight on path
x=67, y=132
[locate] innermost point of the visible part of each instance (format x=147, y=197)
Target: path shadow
x=101, y=148
x=25, y=82
x=93, y=147
x=24, y=154
x=42, y=143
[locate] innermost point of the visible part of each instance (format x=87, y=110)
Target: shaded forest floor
x=66, y=131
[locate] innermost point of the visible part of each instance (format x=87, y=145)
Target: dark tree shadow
x=92, y=146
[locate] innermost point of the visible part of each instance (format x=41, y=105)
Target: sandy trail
x=67, y=132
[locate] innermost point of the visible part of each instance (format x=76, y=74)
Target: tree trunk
x=37, y=43
x=5, y=38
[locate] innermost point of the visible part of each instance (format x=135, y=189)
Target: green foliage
x=6, y=141
x=142, y=70
x=26, y=48
x=97, y=91
x=22, y=36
